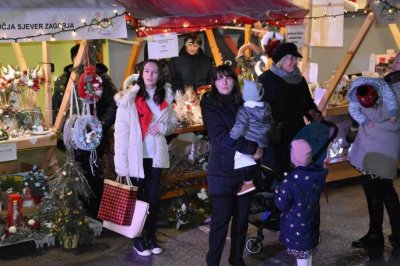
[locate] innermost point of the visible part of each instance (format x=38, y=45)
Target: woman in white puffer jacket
x=144, y=117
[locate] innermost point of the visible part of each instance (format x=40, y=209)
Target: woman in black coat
x=287, y=92
x=219, y=109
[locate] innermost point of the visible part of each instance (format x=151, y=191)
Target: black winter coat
x=190, y=70
x=289, y=103
x=218, y=120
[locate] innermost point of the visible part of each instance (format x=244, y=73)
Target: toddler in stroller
x=264, y=213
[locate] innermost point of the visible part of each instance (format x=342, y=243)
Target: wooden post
x=305, y=51
x=214, y=47
x=48, y=110
x=247, y=35
x=133, y=57
x=20, y=56
x=396, y=34
x=346, y=60
x=65, y=102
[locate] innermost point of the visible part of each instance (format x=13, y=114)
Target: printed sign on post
x=8, y=151
x=163, y=46
x=295, y=34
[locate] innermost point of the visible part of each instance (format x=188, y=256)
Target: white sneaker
x=141, y=248
x=154, y=248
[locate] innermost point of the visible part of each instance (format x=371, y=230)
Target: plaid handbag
x=118, y=201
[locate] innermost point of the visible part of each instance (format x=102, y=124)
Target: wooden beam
x=65, y=102
x=46, y=58
x=214, y=47
x=20, y=56
x=135, y=50
x=346, y=60
x=305, y=51
x=247, y=35
x=396, y=34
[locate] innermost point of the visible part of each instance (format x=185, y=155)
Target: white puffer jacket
x=128, y=157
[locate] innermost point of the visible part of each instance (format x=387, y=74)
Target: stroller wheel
x=253, y=245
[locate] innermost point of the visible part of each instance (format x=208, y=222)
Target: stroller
x=263, y=212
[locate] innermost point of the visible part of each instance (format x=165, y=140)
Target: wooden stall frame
x=346, y=60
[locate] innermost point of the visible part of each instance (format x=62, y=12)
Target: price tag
x=8, y=151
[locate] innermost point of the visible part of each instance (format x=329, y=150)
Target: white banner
x=24, y=25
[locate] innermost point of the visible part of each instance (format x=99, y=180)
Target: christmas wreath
x=87, y=132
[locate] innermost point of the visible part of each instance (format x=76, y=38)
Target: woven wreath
x=68, y=133
x=90, y=85
x=87, y=132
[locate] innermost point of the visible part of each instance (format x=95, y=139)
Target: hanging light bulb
x=391, y=11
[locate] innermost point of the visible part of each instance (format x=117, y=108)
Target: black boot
x=395, y=241
x=371, y=239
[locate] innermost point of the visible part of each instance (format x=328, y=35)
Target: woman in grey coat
x=375, y=152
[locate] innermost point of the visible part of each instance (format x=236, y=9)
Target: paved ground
x=343, y=219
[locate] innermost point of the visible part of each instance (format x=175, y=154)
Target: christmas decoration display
x=187, y=108
x=67, y=186
x=19, y=112
x=19, y=88
x=37, y=181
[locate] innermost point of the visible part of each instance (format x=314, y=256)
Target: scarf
x=292, y=78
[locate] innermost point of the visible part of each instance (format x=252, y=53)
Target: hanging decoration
x=90, y=85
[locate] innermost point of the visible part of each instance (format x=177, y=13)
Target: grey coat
x=376, y=149
x=254, y=124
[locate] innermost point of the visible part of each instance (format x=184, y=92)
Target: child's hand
x=258, y=154
x=393, y=119
x=371, y=124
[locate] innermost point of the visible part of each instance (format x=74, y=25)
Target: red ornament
x=89, y=85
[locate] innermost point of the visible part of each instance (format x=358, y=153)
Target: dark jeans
x=223, y=209
x=379, y=193
x=148, y=190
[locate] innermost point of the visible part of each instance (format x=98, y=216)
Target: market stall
x=35, y=206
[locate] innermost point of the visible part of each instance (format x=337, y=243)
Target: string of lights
x=286, y=19
x=64, y=30
x=276, y=21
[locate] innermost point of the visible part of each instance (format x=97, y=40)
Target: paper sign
x=63, y=23
x=8, y=151
x=295, y=34
x=163, y=46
